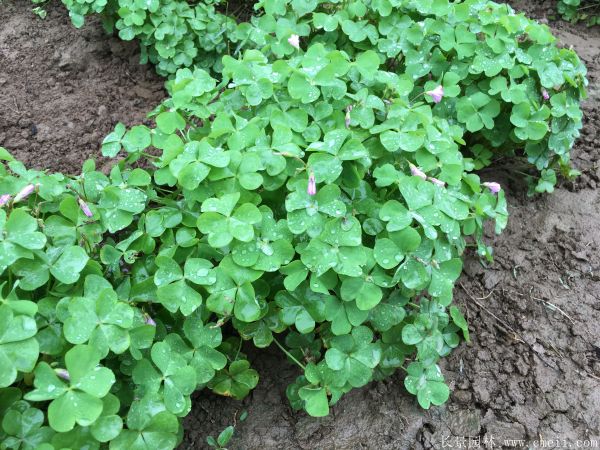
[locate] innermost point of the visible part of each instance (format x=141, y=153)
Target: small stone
x=463, y=397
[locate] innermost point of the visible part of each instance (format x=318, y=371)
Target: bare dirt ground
x=532, y=372
x=62, y=90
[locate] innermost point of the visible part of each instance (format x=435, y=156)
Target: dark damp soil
x=530, y=377
x=62, y=89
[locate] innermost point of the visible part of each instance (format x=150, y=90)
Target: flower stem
x=289, y=355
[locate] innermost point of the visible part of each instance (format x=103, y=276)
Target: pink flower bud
x=312, y=184
x=348, y=119
x=492, y=186
x=416, y=172
x=294, y=41
x=4, y=199
x=150, y=321
x=25, y=192
x=436, y=94
x=63, y=373
x=545, y=94
x=437, y=182
x=85, y=208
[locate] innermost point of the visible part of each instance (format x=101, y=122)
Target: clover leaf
x=149, y=426
x=477, y=111
x=366, y=290
x=118, y=206
x=18, y=237
x=443, y=278
x=270, y=250
x=18, y=306
x=354, y=356
x=233, y=291
x=19, y=349
x=294, y=312
x=530, y=124
x=99, y=318
x=329, y=154
x=314, y=396
x=547, y=181
x=194, y=164
x=309, y=214
x=79, y=400
x=175, y=379
x=427, y=383
x=222, y=224
x=338, y=247
x=179, y=296
x=23, y=425
x=109, y=425
x=65, y=264
x=205, y=338
x=111, y=145
x=235, y=381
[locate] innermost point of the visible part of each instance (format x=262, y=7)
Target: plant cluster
x=315, y=191
x=266, y=213
x=504, y=79
x=172, y=33
x=576, y=10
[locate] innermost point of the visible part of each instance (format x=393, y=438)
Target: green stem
x=525, y=174
x=238, y=350
x=289, y=355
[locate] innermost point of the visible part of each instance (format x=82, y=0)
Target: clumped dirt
x=531, y=376
x=62, y=90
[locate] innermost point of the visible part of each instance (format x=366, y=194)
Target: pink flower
x=63, y=373
x=4, y=199
x=312, y=184
x=150, y=321
x=416, y=172
x=492, y=186
x=85, y=208
x=25, y=192
x=437, y=182
x=348, y=119
x=545, y=94
x=294, y=41
x=436, y=94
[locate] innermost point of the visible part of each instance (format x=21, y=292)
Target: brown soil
x=62, y=90
x=532, y=371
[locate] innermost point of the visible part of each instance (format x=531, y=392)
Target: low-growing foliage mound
x=576, y=10
x=315, y=191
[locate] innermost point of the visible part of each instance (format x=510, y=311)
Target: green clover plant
x=309, y=183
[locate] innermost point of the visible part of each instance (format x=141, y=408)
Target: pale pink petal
x=312, y=185
x=85, y=208
x=24, y=193
x=63, y=373
x=150, y=321
x=492, y=186
x=545, y=94
x=415, y=171
x=437, y=182
x=294, y=41
x=436, y=94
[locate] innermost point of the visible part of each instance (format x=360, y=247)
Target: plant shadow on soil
x=532, y=370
